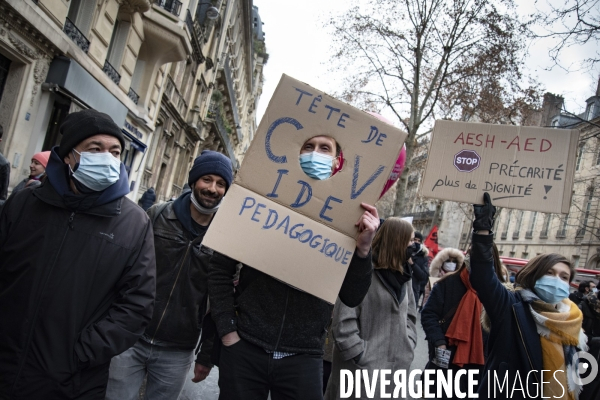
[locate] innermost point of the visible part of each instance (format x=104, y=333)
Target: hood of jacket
x=444, y=255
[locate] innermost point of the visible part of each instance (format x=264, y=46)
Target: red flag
x=432, y=242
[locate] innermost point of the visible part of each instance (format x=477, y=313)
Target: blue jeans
x=167, y=369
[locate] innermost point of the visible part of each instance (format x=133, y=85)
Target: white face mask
x=595, y=290
x=449, y=266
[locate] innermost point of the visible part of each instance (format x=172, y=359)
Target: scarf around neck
x=561, y=336
x=464, y=331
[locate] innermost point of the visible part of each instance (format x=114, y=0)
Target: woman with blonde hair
x=381, y=332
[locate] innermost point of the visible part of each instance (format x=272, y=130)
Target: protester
x=37, y=171
x=4, y=173
x=420, y=267
x=381, y=332
x=77, y=269
x=164, y=353
x=451, y=321
x=446, y=261
x=533, y=328
x=282, y=329
x=148, y=199
x=590, y=307
x=585, y=287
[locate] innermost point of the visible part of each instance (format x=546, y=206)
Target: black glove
x=484, y=215
x=411, y=250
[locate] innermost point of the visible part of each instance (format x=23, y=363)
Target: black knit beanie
x=81, y=125
x=211, y=162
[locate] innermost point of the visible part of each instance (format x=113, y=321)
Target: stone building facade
x=525, y=234
x=153, y=66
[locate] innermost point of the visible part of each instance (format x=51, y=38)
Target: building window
x=586, y=213
x=532, y=220
x=4, y=67
x=506, y=225
x=81, y=13
x=579, y=157
x=518, y=225
x=118, y=41
x=562, y=232
x=546, y=226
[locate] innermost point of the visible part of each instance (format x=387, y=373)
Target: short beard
x=202, y=202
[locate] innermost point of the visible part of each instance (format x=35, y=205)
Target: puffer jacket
x=181, y=280
x=76, y=289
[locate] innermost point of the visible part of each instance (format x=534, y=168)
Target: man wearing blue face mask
x=320, y=157
x=77, y=268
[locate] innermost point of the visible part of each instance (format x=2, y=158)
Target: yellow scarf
x=559, y=329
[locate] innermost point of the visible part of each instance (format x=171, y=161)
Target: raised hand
x=367, y=227
x=484, y=214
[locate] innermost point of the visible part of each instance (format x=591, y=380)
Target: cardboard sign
x=521, y=167
x=280, y=221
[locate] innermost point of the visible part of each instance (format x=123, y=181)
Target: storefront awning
x=72, y=77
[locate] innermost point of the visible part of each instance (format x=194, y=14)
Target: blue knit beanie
x=211, y=162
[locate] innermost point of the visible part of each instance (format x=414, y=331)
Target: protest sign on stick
x=295, y=228
x=527, y=168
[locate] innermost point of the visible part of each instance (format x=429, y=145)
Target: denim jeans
x=248, y=372
x=167, y=369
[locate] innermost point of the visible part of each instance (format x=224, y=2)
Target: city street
x=209, y=388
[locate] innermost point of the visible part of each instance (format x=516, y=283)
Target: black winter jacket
x=76, y=289
x=4, y=177
x=273, y=315
x=514, y=345
x=181, y=280
x=420, y=271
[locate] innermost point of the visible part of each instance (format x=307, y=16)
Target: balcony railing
x=175, y=97
x=76, y=35
x=504, y=236
x=544, y=235
x=515, y=235
x=197, y=52
x=215, y=115
x=133, y=96
x=562, y=233
x=529, y=235
x=172, y=6
x=111, y=72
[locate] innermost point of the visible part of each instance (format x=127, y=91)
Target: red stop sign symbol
x=466, y=160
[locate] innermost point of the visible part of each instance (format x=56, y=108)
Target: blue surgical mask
x=97, y=171
x=316, y=165
x=551, y=289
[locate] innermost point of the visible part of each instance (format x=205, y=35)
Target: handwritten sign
x=275, y=218
x=526, y=168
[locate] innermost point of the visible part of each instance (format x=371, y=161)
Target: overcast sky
x=299, y=46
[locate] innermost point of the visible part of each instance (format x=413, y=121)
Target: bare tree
x=405, y=55
x=574, y=22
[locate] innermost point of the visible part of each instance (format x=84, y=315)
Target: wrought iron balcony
x=172, y=6
x=76, y=35
x=215, y=115
x=196, y=48
x=111, y=72
x=133, y=96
